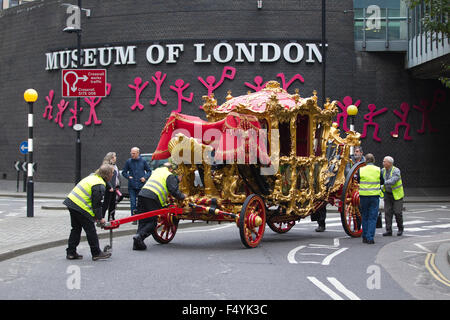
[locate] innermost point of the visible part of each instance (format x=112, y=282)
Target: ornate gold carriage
x=267, y=157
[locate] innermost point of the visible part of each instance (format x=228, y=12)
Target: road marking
x=328, y=259
x=414, y=229
x=291, y=254
x=415, y=222
x=343, y=289
x=325, y=289
x=434, y=271
x=438, y=226
x=202, y=229
x=421, y=247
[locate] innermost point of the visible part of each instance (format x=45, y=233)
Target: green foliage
x=435, y=19
x=436, y=15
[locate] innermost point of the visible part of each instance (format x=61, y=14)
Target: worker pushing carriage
x=267, y=157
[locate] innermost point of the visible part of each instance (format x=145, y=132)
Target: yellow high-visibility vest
x=81, y=195
x=157, y=184
x=397, y=188
x=369, y=184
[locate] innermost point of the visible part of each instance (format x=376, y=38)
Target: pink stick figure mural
x=426, y=109
x=138, y=90
x=62, y=105
x=227, y=73
x=258, y=80
x=288, y=84
x=74, y=111
x=93, y=102
x=158, y=81
x=49, y=108
x=179, y=88
x=343, y=114
x=403, y=115
x=369, y=121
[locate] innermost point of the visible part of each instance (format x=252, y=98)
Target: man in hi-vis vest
x=85, y=206
x=370, y=180
x=153, y=196
x=392, y=191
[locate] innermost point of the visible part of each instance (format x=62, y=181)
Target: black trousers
x=109, y=204
x=78, y=222
x=148, y=225
x=321, y=216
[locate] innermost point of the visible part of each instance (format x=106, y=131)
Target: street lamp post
x=352, y=111
x=75, y=26
x=30, y=96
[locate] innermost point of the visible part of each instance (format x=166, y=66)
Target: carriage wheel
x=349, y=208
x=252, y=221
x=165, y=229
x=280, y=227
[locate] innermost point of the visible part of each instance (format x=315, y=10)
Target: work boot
x=138, y=243
x=400, y=232
x=387, y=234
x=74, y=256
x=101, y=255
x=320, y=229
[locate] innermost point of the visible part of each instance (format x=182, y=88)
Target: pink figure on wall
x=49, y=107
x=158, y=81
x=227, y=73
x=179, y=88
x=426, y=109
x=403, y=115
x=288, y=84
x=74, y=111
x=258, y=80
x=369, y=121
x=62, y=106
x=138, y=91
x=93, y=102
x=343, y=114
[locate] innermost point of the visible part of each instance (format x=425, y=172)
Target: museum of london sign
x=222, y=52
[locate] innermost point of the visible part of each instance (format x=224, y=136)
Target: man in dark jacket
x=85, y=206
x=154, y=196
x=136, y=171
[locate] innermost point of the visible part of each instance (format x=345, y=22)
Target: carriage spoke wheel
x=350, y=211
x=252, y=221
x=165, y=229
x=280, y=227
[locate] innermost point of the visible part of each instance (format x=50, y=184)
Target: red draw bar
x=114, y=224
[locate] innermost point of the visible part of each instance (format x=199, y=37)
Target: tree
x=436, y=20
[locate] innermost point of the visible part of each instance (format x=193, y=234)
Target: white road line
x=328, y=259
x=205, y=230
x=421, y=247
x=291, y=254
x=414, y=229
x=438, y=226
x=415, y=222
x=343, y=289
x=325, y=289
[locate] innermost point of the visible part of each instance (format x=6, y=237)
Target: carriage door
x=302, y=131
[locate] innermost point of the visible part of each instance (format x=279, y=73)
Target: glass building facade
x=380, y=25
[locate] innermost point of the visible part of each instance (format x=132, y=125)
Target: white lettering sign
x=223, y=52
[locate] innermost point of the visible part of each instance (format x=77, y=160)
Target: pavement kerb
x=56, y=243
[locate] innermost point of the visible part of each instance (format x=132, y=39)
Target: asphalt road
x=209, y=262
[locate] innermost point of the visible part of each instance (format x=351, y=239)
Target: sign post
x=83, y=83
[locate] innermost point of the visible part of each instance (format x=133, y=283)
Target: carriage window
x=318, y=140
x=285, y=139
x=302, y=136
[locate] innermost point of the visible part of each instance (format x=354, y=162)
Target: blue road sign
x=23, y=148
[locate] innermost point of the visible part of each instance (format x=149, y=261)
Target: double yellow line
x=429, y=264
